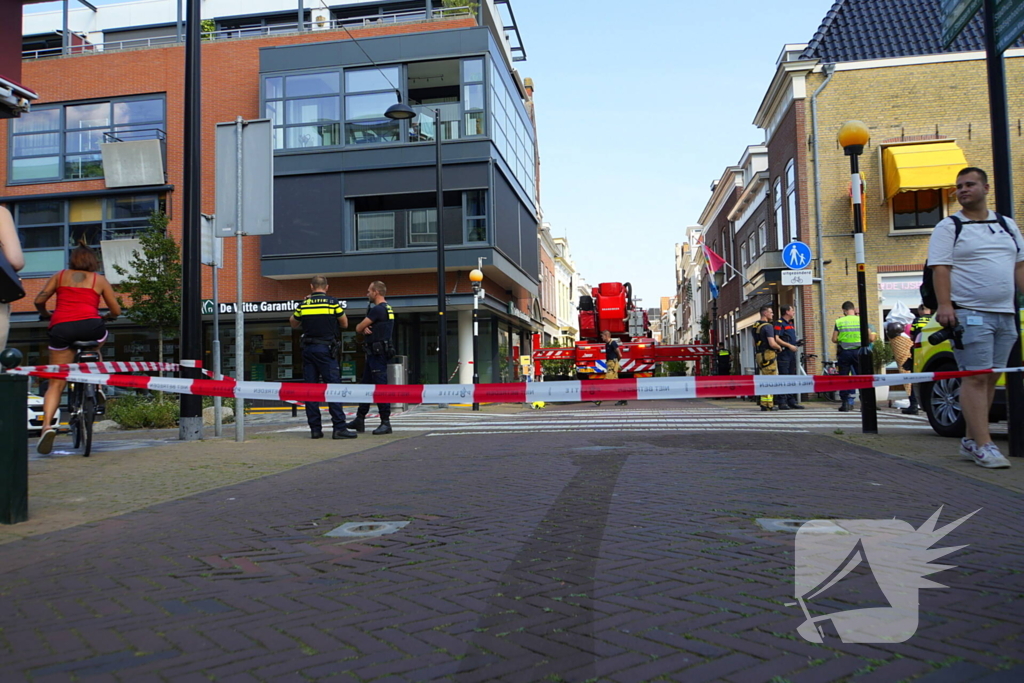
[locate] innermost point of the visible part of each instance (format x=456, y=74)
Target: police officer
x=847, y=334
x=766, y=350
x=924, y=316
x=376, y=329
x=785, y=335
x=319, y=316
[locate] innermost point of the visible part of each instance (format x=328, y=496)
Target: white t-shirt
x=983, y=260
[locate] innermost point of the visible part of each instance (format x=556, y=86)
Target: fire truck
x=611, y=307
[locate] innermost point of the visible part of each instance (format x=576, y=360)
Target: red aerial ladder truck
x=611, y=307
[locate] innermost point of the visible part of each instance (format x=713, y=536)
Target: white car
x=35, y=414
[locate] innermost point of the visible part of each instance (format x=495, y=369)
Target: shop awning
x=928, y=166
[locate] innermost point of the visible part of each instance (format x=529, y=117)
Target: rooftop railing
x=254, y=31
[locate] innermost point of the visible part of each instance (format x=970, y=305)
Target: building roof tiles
x=854, y=30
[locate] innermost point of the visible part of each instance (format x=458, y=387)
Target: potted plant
x=881, y=356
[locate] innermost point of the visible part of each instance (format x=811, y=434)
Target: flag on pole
x=714, y=261
x=713, y=287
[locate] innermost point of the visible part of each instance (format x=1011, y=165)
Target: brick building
x=883, y=65
x=353, y=191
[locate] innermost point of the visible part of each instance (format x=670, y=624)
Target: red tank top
x=75, y=303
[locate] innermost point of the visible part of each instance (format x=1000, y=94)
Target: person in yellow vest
x=924, y=316
x=766, y=349
x=847, y=335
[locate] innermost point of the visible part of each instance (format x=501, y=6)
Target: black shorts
x=62, y=335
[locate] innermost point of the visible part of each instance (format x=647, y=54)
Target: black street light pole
x=442, y=321
x=1002, y=176
x=190, y=427
x=852, y=137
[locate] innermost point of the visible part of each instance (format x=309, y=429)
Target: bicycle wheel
x=88, y=415
x=75, y=414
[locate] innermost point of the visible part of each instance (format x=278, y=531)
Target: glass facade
x=512, y=132
x=50, y=228
x=304, y=109
x=410, y=220
x=62, y=142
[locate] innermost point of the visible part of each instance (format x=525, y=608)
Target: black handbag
x=11, y=288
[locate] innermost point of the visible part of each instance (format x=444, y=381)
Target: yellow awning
x=928, y=166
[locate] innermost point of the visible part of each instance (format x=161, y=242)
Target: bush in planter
x=881, y=355
x=139, y=412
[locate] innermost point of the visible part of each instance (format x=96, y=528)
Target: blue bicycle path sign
x=796, y=256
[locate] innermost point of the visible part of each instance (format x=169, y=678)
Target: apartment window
x=921, y=210
x=375, y=230
x=423, y=226
x=791, y=203
x=474, y=94
x=49, y=229
x=368, y=94
x=476, y=215
x=405, y=221
x=63, y=142
x=744, y=255
x=435, y=86
x=304, y=109
x=762, y=238
x=779, y=224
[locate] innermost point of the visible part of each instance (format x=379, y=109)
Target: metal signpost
x=245, y=206
x=213, y=256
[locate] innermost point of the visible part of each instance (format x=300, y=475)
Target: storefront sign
x=252, y=307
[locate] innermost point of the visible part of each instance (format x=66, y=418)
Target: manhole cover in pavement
x=808, y=526
x=365, y=529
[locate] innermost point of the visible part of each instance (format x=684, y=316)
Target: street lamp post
x=476, y=276
x=403, y=112
x=852, y=137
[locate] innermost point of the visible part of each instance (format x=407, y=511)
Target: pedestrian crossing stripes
x=622, y=419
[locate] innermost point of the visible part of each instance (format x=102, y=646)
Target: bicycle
x=83, y=403
x=829, y=367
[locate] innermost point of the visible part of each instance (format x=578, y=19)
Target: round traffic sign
x=796, y=255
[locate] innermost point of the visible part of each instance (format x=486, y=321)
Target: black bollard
x=13, y=441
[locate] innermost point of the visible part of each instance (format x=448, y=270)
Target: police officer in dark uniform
x=376, y=328
x=319, y=316
x=924, y=316
x=724, y=361
x=785, y=335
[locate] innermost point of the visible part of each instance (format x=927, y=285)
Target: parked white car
x=35, y=414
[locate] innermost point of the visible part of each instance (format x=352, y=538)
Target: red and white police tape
x=646, y=388
x=111, y=367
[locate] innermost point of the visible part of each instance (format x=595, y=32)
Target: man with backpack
x=976, y=256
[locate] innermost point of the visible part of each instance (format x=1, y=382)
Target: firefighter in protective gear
x=847, y=335
x=724, y=362
x=319, y=316
x=377, y=328
x=766, y=350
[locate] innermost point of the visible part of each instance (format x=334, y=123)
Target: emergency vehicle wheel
x=942, y=403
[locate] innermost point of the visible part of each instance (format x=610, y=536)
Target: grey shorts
x=988, y=339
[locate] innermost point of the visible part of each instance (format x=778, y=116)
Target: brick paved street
x=528, y=556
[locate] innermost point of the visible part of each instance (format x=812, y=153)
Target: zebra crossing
x=699, y=418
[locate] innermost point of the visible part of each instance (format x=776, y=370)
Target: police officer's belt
x=307, y=341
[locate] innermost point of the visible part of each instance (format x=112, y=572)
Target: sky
x=640, y=107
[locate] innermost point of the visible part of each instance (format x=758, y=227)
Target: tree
x=155, y=285
x=559, y=368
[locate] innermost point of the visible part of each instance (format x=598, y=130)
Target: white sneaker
x=989, y=456
x=967, y=448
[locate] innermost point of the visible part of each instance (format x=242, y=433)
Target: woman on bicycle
x=76, y=318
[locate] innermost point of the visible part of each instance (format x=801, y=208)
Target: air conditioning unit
x=321, y=21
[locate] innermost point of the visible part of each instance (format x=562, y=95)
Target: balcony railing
x=255, y=31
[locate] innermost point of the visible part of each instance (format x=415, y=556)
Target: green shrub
x=139, y=412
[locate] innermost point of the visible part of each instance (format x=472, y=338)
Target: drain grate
x=365, y=529
x=807, y=526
